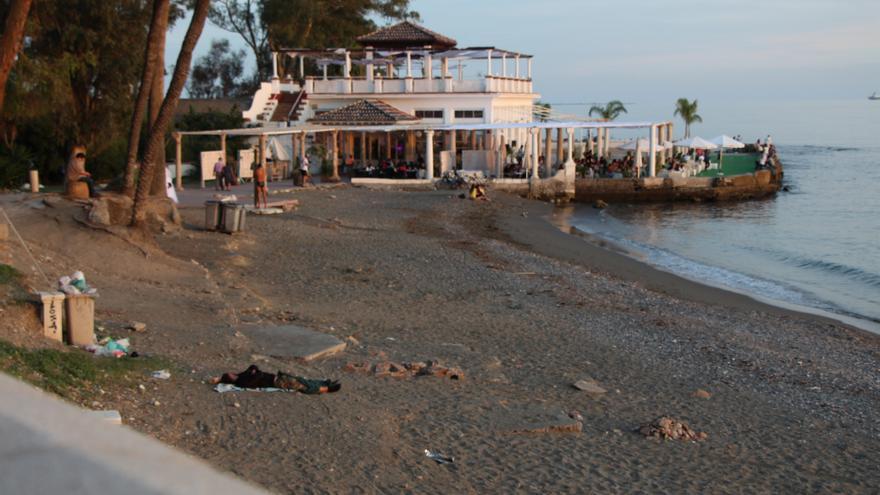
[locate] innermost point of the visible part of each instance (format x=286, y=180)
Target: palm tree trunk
x=158, y=26
x=10, y=43
x=166, y=112
x=157, y=95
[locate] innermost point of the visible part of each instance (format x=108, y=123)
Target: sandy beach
x=497, y=290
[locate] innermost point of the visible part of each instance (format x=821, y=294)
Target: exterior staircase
x=288, y=106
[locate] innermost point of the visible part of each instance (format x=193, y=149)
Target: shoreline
x=601, y=255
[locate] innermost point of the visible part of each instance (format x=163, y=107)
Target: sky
x=648, y=53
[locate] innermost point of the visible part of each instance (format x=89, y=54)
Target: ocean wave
x=715, y=275
x=850, y=272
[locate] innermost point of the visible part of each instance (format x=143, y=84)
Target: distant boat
x=874, y=96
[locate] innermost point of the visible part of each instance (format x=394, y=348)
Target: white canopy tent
x=695, y=142
x=724, y=141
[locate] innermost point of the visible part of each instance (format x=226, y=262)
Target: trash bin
x=52, y=314
x=298, y=178
x=213, y=215
x=80, y=319
x=233, y=217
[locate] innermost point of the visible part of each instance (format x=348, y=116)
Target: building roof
x=364, y=112
x=404, y=35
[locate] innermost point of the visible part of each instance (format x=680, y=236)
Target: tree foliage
x=270, y=24
x=219, y=74
x=610, y=111
x=687, y=110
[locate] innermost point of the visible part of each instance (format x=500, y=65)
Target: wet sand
x=524, y=310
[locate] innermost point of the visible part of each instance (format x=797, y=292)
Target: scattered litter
x=161, y=374
x=137, y=326
x=438, y=457
x=405, y=370
x=666, y=428
x=111, y=417
x=75, y=284
x=110, y=347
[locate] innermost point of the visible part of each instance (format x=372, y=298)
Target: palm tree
x=688, y=112
x=610, y=111
x=156, y=140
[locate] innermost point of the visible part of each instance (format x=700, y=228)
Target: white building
x=416, y=72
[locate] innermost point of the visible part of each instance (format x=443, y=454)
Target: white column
x=516, y=66
x=429, y=66
x=489, y=63
x=409, y=64
x=530, y=68
x=444, y=67
x=534, y=136
x=274, y=65
x=347, y=64
x=460, y=72
x=302, y=67
x=429, y=154
x=325, y=72
x=652, y=152
x=504, y=65
x=570, y=155
x=369, y=56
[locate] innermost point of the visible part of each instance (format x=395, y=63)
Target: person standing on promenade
x=218, y=175
x=304, y=168
x=261, y=191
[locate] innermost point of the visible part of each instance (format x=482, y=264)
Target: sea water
x=816, y=245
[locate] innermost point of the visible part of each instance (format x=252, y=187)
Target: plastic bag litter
x=438, y=457
x=161, y=374
x=75, y=284
x=110, y=347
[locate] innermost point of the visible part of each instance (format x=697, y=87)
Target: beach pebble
x=702, y=394
x=589, y=386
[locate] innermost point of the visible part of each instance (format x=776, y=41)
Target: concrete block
x=80, y=319
x=52, y=314
x=651, y=182
x=293, y=342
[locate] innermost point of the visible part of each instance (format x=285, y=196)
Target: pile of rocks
x=406, y=370
x=665, y=428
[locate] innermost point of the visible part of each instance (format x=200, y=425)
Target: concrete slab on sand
x=291, y=341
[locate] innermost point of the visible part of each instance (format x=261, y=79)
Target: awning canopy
x=312, y=128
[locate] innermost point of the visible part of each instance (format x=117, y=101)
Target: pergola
x=493, y=138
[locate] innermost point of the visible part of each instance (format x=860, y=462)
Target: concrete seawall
x=760, y=184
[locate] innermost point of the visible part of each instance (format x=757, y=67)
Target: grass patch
x=72, y=374
x=9, y=274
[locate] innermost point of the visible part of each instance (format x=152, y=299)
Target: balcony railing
x=489, y=84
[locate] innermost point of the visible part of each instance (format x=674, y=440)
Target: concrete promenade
x=48, y=446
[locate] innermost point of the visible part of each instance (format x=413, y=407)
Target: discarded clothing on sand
x=254, y=378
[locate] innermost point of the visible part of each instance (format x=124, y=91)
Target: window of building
x=429, y=114
x=468, y=114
